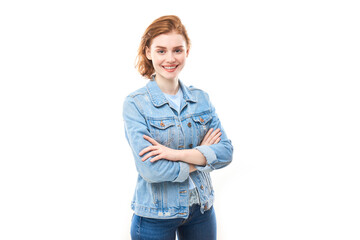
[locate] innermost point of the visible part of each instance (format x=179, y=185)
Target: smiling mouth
x=170, y=68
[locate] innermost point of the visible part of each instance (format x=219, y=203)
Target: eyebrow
x=181, y=46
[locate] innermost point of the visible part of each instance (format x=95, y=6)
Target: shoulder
x=137, y=96
x=198, y=93
x=137, y=93
x=200, y=97
x=133, y=101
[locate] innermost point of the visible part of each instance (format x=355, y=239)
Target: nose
x=170, y=57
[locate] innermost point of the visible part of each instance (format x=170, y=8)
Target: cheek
x=182, y=59
x=156, y=60
x=155, y=63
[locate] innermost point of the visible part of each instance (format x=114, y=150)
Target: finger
x=153, y=153
x=214, y=138
x=147, y=149
x=208, y=133
x=158, y=157
x=214, y=133
x=149, y=139
x=145, y=158
x=217, y=141
x=206, y=137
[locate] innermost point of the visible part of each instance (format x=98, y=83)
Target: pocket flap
x=202, y=119
x=162, y=124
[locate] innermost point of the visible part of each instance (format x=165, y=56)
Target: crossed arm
x=191, y=156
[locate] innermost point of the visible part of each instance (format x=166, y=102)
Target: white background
x=283, y=75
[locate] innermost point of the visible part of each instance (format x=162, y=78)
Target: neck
x=168, y=86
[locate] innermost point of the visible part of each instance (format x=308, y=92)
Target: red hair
x=162, y=25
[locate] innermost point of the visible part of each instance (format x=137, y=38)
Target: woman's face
x=168, y=53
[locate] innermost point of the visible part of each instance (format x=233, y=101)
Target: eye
x=161, y=51
x=178, y=50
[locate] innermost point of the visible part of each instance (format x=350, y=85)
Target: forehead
x=168, y=40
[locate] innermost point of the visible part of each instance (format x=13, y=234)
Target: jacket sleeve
x=217, y=155
x=135, y=128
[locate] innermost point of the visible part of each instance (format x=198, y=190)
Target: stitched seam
x=138, y=105
x=138, y=230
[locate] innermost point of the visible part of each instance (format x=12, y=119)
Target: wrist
x=179, y=155
x=192, y=168
x=184, y=155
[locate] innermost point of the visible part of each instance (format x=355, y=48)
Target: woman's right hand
x=211, y=137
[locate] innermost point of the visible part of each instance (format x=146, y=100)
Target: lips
x=170, y=68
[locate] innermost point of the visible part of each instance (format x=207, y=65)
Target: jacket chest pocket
x=163, y=130
x=202, y=123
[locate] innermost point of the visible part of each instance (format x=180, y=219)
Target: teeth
x=170, y=67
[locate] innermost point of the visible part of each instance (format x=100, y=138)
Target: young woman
x=174, y=134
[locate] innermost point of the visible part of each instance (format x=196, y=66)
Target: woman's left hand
x=158, y=150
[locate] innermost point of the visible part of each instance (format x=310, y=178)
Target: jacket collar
x=158, y=98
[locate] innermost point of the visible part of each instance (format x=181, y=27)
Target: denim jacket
x=162, y=189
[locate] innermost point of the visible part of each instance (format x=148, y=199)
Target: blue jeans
x=197, y=226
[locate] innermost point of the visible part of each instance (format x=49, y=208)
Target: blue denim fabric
x=162, y=189
x=198, y=227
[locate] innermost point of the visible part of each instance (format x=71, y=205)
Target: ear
x=187, y=52
x=148, y=53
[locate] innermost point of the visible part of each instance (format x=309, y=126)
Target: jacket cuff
x=210, y=157
x=183, y=173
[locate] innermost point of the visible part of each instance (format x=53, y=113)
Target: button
x=206, y=207
x=189, y=124
x=202, y=187
x=181, y=146
x=183, y=191
x=201, y=120
x=162, y=124
x=190, y=145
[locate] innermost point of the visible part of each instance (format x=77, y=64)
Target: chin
x=168, y=75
